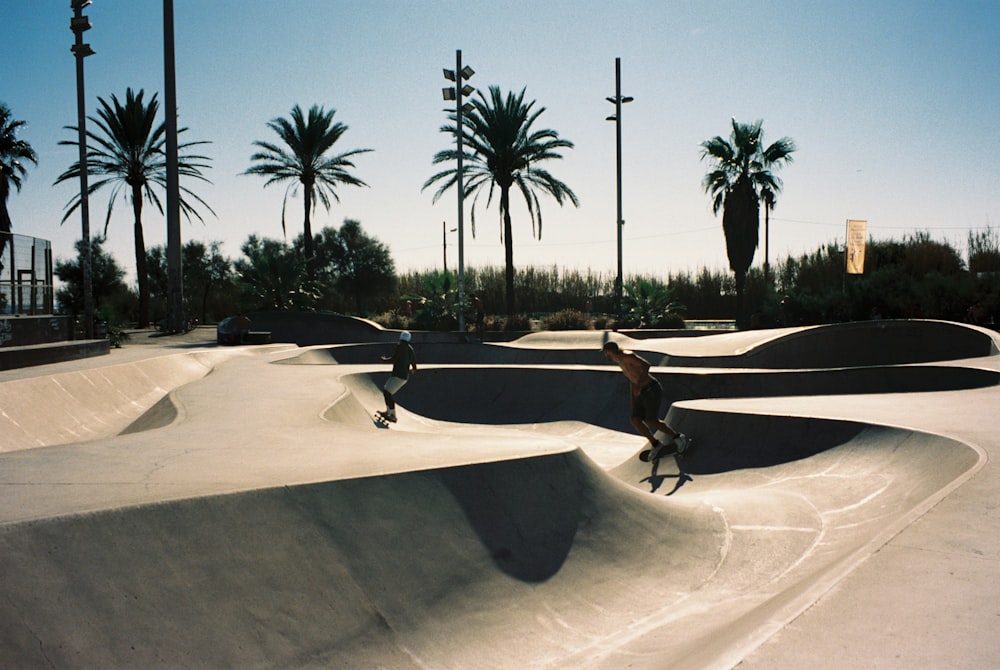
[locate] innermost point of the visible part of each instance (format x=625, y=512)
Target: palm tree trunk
x=6, y=227
x=741, y=281
x=508, y=243
x=307, y=225
x=141, y=276
x=5, y=223
x=767, y=245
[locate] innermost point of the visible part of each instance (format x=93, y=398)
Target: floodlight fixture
x=456, y=93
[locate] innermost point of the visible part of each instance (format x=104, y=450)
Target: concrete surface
x=178, y=504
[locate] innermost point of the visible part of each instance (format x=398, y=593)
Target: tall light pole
x=617, y=118
x=456, y=93
x=78, y=24
x=444, y=243
x=175, y=282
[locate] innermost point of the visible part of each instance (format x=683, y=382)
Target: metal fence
x=26, y=275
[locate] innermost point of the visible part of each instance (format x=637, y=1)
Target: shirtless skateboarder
x=646, y=396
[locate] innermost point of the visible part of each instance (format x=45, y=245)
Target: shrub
x=518, y=322
x=435, y=306
x=567, y=319
x=672, y=321
x=117, y=335
x=392, y=320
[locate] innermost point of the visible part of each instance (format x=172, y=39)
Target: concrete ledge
x=53, y=352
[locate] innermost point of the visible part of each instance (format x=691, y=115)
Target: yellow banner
x=857, y=235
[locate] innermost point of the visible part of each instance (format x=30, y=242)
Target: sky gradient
x=893, y=106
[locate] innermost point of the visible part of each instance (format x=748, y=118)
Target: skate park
x=183, y=504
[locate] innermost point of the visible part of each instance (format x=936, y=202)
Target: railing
x=25, y=275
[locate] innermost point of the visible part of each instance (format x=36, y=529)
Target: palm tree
x=740, y=179
x=14, y=153
x=308, y=140
x=127, y=153
x=504, y=152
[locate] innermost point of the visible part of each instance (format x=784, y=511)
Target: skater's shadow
x=656, y=480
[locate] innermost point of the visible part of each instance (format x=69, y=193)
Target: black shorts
x=646, y=405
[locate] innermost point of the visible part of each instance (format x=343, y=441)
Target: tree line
x=353, y=273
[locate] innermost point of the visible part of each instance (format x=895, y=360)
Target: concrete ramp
x=97, y=402
x=256, y=517
x=400, y=571
x=550, y=559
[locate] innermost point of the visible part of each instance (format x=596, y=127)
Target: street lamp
x=78, y=24
x=617, y=101
x=175, y=271
x=456, y=93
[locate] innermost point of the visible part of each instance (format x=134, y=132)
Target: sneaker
x=391, y=415
x=682, y=442
x=656, y=450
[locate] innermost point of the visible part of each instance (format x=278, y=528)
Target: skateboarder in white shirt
x=404, y=363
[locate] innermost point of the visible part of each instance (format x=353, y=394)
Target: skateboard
x=381, y=420
x=669, y=450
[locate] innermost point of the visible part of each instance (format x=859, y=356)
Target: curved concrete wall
x=93, y=403
x=893, y=342
x=495, y=395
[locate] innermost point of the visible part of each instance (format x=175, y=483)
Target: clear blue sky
x=893, y=105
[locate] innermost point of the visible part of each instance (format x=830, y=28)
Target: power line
x=691, y=231
x=537, y=244
x=884, y=227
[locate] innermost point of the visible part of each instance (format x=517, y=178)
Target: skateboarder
x=646, y=396
x=404, y=363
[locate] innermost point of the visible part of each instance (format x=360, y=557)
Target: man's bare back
x=646, y=394
x=635, y=368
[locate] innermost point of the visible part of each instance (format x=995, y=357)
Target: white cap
x=404, y=336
